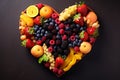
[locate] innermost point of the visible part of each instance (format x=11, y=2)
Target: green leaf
x=76, y=17
x=31, y=30
x=96, y=33
x=23, y=43
x=81, y=35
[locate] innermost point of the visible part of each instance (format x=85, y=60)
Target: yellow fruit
x=24, y=18
x=23, y=37
x=92, y=17
x=37, y=51
x=69, y=58
x=46, y=11
x=32, y=11
x=85, y=47
x=73, y=61
x=78, y=56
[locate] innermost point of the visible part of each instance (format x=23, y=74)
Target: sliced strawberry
x=78, y=19
x=84, y=36
x=28, y=31
x=37, y=20
x=27, y=43
x=82, y=9
x=59, y=61
x=91, y=30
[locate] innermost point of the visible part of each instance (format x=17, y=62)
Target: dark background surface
x=103, y=63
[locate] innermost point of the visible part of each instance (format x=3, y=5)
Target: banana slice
x=32, y=11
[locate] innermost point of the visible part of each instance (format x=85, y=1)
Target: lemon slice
x=32, y=11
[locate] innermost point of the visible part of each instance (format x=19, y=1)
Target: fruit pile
x=58, y=41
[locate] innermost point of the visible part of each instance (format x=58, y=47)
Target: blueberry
x=46, y=32
x=56, y=25
x=42, y=31
x=58, y=36
x=38, y=31
x=51, y=23
x=74, y=43
x=67, y=28
x=76, y=40
x=57, y=28
x=36, y=38
x=50, y=19
x=77, y=25
x=70, y=45
x=77, y=36
x=81, y=28
x=41, y=34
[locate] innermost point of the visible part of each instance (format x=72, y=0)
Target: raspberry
x=52, y=42
x=39, y=42
x=61, y=26
x=60, y=72
x=76, y=48
x=50, y=49
x=72, y=38
x=43, y=38
x=39, y=5
x=64, y=37
x=61, y=31
x=57, y=21
x=54, y=15
x=55, y=70
x=47, y=64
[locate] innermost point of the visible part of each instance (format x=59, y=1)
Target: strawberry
x=59, y=61
x=37, y=20
x=78, y=19
x=27, y=43
x=82, y=9
x=39, y=5
x=92, y=31
x=84, y=36
x=28, y=31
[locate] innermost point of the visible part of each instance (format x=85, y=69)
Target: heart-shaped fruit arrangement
x=58, y=41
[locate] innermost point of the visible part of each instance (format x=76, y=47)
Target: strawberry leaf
x=81, y=35
x=76, y=17
x=96, y=33
x=23, y=43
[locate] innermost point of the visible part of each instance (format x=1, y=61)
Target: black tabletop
x=103, y=63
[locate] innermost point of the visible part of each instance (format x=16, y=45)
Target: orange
x=46, y=11
x=91, y=16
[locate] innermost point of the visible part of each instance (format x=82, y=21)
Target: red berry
x=61, y=31
x=50, y=49
x=37, y=20
x=64, y=37
x=91, y=30
x=39, y=5
x=55, y=70
x=54, y=15
x=47, y=64
x=60, y=72
x=76, y=48
x=72, y=38
x=43, y=38
x=92, y=40
x=59, y=61
x=61, y=26
x=82, y=9
x=39, y=42
x=57, y=20
x=52, y=42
